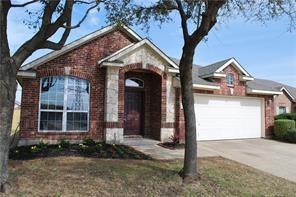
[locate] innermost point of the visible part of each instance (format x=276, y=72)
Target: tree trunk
x=8, y=70
x=8, y=87
x=189, y=171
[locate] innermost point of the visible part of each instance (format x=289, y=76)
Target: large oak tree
x=53, y=17
x=197, y=18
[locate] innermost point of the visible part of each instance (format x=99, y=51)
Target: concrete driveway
x=271, y=156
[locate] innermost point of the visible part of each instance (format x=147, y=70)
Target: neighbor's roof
x=269, y=85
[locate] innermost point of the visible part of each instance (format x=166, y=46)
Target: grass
x=78, y=176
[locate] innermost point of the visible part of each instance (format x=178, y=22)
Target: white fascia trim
x=232, y=60
x=207, y=87
x=114, y=64
x=252, y=91
x=139, y=44
x=113, y=54
x=216, y=75
x=283, y=88
x=172, y=70
x=26, y=74
x=78, y=43
x=244, y=78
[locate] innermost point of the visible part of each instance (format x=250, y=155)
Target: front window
x=134, y=82
x=282, y=110
x=64, y=104
x=230, y=79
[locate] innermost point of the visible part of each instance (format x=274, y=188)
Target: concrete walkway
x=270, y=156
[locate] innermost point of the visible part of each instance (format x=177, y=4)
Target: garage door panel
x=227, y=117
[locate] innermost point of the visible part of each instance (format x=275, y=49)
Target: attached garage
x=228, y=117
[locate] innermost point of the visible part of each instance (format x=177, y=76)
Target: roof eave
x=263, y=92
x=79, y=42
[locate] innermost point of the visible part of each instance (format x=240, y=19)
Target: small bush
x=64, y=144
x=288, y=116
x=35, y=149
x=175, y=138
x=89, y=142
x=290, y=136
x=42, y=146
x=281, y=126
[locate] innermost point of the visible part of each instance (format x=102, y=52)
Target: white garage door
x=221, y=117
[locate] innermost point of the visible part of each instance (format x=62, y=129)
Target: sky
x=266, y=51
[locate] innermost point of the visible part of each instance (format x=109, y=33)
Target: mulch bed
x=98, y=150
x=172, y=145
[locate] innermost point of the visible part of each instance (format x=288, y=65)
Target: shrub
x=289, y=116
x=64, y=143
x=175, y=138
x=290, y=136
x=42, y=146
x=89, y=142
x=282, y=126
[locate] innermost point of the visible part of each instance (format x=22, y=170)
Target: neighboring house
x=284, y=103
x=112, y=83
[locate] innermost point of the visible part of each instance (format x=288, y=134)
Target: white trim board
x=265, y=92
x=283, y=88
x=236, y=64
x=79, y=42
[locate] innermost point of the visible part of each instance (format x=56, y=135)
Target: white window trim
x=64, y=111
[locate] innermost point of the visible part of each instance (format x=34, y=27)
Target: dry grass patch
x=78, y=176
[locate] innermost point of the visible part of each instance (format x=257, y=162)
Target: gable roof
x=115, y=56
x=83, y=40
x=218, y=67
x=197, y=81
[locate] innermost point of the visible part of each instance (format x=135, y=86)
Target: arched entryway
x=142, y=103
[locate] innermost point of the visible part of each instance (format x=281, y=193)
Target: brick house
x=113, y=83
x=283, y=103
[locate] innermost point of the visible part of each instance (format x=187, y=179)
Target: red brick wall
x=285, y=101
x=239, y=88
x=82, y=63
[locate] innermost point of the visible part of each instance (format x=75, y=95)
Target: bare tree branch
x=57, y=46
x=83, y=18
x=24, y=4
x=209, y=19
x=183, y=19
x=85, y=2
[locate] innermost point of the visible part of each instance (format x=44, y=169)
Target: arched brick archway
x=154, y=98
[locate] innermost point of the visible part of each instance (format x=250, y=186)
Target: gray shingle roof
x=269, y=85
x=209, y=69
x=195, y=77
x=256, y=84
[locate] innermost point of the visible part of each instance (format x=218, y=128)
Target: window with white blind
x=64, y=104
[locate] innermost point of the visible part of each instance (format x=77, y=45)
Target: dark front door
x=133, y=112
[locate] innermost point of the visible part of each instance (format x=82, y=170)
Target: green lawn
x=78, y=176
